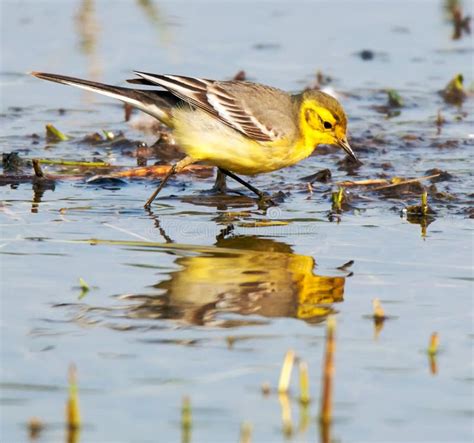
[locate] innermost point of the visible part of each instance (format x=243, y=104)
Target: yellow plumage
x=207, y=140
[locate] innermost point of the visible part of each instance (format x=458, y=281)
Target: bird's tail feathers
x=156, y=103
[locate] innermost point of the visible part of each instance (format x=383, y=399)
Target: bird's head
x=323, y=121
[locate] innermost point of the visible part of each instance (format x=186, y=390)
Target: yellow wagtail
x=240, y=127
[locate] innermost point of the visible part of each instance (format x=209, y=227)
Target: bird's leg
x=242, y=182
x=261, y=195
x=174, y=170
x=171, y=172
x=220, y=185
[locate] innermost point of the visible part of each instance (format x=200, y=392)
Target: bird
x=240, y=127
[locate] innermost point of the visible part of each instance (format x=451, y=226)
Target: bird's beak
x=344, y=144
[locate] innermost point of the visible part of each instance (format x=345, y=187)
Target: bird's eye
x=327, y=125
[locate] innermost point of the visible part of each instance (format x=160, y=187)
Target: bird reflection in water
x=244, y=275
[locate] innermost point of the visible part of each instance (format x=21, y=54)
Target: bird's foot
x=265, y=201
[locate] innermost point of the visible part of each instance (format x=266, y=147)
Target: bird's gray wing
x=259, y=112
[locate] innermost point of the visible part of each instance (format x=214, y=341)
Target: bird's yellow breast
x=206, y=139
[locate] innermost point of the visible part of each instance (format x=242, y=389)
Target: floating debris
x=35, y=426
x=108, y=179
x=82, y=283
x=262, y=223
x=348, y=164
x=461, y=23
x=86, y=164
x=141, y=154
x=93, y=138
x=12, y=163
x=391, y=108
x=366, y=54
x=266, y=389
x=159, y=170
x=368, y=182
x=85, y=288
x=54, y=134
x=109, y=135
x=422, y=210
x=323, y=176
x=394, y=99
x=438, y=175
x=106, y=182
x=441, y=196
x=410, y=185
x=454, y=92
x=111, y=139
x=240, y=76
x=338, y=200
x=339, y=203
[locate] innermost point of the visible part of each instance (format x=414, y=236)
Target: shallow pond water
x=182, y=304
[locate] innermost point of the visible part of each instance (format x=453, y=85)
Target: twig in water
x=325, y=416
x=186, y=420
x=246, y=433
x=46, y=161
x=73, y=416
x=286, y=414
x=433, y=352
x=305, y=398
x=37, y=168
x=285, y=374
x=379, y=317
x=434, y=343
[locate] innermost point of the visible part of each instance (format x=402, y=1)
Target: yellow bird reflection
x=245, y=275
